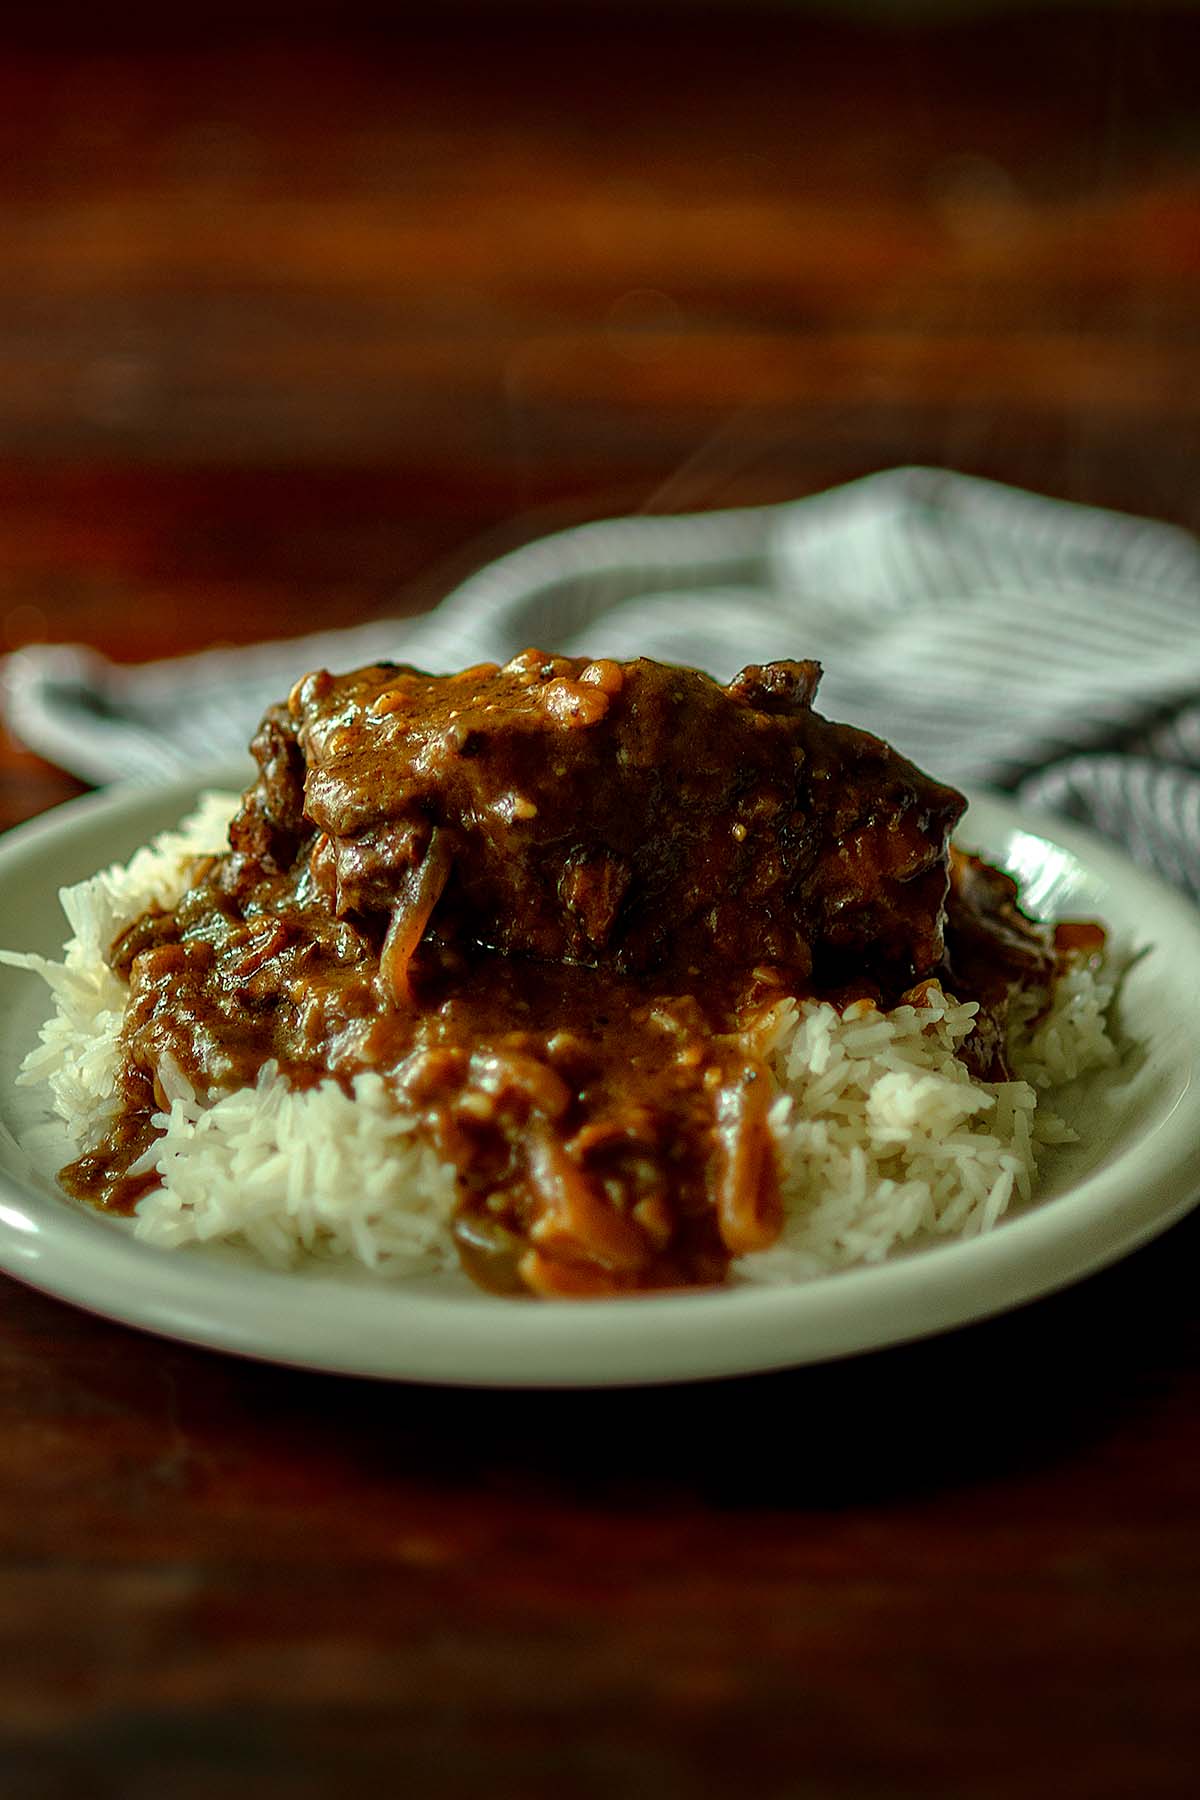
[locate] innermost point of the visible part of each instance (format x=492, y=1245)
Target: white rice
x=886, y=1140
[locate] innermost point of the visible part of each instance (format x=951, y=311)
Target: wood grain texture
x=297, y=329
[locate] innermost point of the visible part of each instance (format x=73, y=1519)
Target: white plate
x=1136, y=1170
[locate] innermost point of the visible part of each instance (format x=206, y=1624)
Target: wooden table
x=296, y=328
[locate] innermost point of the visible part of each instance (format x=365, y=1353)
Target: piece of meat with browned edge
x=626, y=815
x=993, y=952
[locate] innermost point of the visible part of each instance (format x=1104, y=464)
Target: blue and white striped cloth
x=994, y=636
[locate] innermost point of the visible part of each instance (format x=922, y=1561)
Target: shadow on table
x=1013, y=1393
x=152, y=1424
x=1017, y=1393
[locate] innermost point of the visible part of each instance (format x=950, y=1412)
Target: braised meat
x=549, y=903
x=624, y=816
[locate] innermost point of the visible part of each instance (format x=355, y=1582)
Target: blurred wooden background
x=304, y=312
x=297, y=325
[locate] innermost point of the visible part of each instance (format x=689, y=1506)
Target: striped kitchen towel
x=994, y=636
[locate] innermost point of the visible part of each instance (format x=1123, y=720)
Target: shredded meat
x=551, y=903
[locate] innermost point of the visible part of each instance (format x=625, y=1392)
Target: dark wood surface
x=295, y=330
